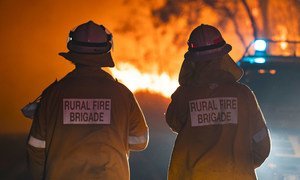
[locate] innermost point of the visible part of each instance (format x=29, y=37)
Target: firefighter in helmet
x=86, y=123
x=221, y=130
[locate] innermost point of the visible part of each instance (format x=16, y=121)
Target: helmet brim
x=100, y=60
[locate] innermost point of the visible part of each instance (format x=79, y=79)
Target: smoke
x=234, y=17
x=144, y=43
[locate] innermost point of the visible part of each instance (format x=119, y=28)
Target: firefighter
x=221, y=130
x=87, y=123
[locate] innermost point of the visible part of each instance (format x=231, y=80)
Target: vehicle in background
x=272, y=71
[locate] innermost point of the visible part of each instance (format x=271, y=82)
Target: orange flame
x=136, y=80
x=282, y=35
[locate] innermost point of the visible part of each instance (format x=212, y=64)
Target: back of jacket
x=88, y=123
x=221, y=131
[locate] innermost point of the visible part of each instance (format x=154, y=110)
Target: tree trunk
x=264, y=12
x=252, y=20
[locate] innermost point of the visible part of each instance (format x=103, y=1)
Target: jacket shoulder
x=243, y=87
x=50, y=87
x=124, y=89
x=245, y=90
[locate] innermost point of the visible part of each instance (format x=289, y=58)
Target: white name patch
x=212, y=111
x=86, y=111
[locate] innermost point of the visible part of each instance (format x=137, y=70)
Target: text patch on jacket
x=212, y=111
x=86, y=111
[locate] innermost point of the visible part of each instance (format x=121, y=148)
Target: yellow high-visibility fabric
x=86, y=151
x=219, y=151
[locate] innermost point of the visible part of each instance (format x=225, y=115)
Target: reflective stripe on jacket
x=85, y=127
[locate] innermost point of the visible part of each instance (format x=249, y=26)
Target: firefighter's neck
x=82, y=66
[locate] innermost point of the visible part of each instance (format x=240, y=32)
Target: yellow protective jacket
x=84, y=128
x=221, y=130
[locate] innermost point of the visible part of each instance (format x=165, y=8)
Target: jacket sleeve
x=36, y=143
x=138, y=128
x=259, y=132
x=177, y=111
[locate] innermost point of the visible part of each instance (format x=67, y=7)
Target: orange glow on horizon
x=282, y=35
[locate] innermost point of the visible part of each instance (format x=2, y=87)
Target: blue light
x=260, y=45
x=260, y=60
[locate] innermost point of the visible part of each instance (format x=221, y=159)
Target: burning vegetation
x=153, y=39
x=149, y=36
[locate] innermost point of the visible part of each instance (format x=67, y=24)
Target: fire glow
x=135, y=80
x=164, y=45
x=150, y=36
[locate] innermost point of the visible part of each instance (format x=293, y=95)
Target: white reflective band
x=260, y=135
x=36, y=142
x=138, y=139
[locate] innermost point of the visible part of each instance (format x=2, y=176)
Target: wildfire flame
x=283, y=37
x=136, y=80
x=164, y=45
x=150, y=36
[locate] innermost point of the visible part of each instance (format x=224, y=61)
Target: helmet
x=90, y=38
x=207, y=42
x=90, y=45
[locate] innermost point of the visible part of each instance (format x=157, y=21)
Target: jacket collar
x=197, y=72
x=89, y=71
